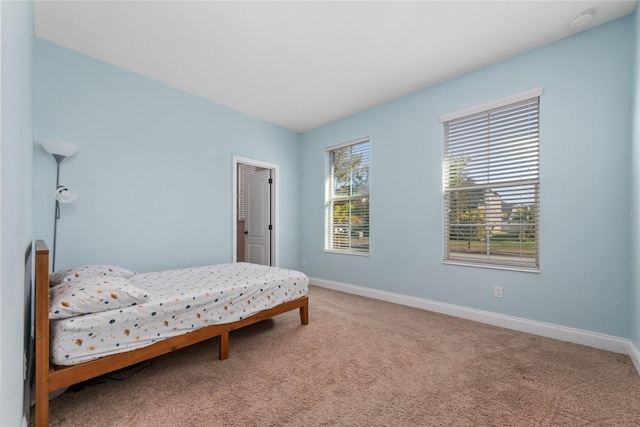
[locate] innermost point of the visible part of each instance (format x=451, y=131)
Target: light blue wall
x=635, y=191
x=16, y=154
x=154, y=177
x=585, y=172
x=153, y=170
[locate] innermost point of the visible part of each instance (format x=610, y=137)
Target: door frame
x=275, y=217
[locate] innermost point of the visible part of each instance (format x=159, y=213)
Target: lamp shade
x=59, y=148
x=65, y=195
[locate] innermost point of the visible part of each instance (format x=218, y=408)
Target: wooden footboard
x=50, y=377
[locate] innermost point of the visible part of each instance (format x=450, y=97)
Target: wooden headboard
x=41, y=313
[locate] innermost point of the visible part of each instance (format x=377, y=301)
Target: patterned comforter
x=177, y=302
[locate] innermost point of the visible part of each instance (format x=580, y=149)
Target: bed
x=90, y=321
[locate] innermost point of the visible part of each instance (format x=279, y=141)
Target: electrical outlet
x=497, y=291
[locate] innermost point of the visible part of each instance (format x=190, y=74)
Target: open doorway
x=255, y=214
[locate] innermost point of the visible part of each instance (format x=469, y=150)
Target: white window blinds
x=347, y=198
x=243, y=170
x=492, y=186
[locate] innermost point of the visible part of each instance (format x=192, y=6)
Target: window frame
x=331, y=200
x=492, y=260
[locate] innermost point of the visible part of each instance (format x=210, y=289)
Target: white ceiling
x=302, y=64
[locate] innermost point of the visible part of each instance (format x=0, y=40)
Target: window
x=492, y=184
x=347, y=198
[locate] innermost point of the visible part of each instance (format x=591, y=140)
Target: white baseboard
x=634, y=354
x=577, y=336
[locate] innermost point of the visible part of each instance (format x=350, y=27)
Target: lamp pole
x=59, y=159
x=60, y=150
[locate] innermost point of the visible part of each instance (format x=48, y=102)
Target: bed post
x=224, y=345
x=304, y=312
x=42, y=334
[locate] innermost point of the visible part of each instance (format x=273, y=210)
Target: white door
x=257, y=233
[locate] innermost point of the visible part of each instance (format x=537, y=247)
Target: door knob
x=246, y=232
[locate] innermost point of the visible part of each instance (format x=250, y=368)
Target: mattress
x=179, y=301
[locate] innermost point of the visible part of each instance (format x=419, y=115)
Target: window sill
x=494, y=267
x=334, y=251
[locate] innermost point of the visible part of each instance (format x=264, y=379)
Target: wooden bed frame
x=49, y=377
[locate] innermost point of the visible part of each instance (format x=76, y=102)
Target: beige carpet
x=362, y=362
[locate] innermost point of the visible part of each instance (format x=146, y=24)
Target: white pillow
x=89, y=271
x=85, y=295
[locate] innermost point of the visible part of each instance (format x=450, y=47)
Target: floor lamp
x=60, y=150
